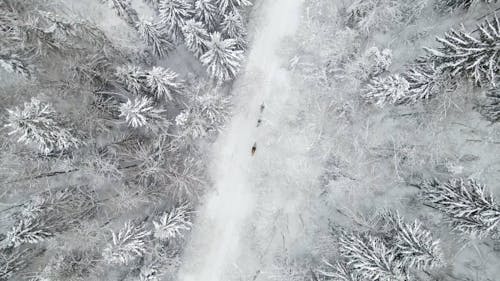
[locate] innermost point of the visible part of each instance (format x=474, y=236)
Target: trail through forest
x=218, y=239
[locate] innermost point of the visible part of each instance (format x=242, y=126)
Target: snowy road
x=218, y=238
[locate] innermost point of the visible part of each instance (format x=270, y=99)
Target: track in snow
x=216, y=241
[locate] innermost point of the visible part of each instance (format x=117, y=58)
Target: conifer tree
x=132, y=77
x=29, y=231
x=159, y=83
x=232, y=27
x=222, y=59
x=150, y=272
x=14, y=64
x=172, y=224
x=51, y=212
x=393, y=89
x=173, y=15
x=163, y=83
x=414, y=244
x=37, y=123
x=153, y=3
x=477, y=57
x=214, y=108
x=490, y=108
x=11, y=262
x=425, y=81
x=206, y=12
x=370, y=257
x=341, y=271
x=125, y=11
x=469, y=208
x=154, y=37
x=191, y=124
x=195, y=37
x=206, y=114
x=461, y=4
x=128, y=243
x=141, y=112
x=226, y=6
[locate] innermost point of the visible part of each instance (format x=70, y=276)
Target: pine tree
x=153, y=36
x=461, y=4
x=222, y=59
x=14, y=64
x=368, y=15
x=28, y=231
x=206, y=12
x=159, y=83
x=151, y=159
x=463, y=54
x=393, y=89
x=173, y=14
x=153, y=3
x=425, y=81
x=141, y=112
x=226, y=6
x=50, y=212
x=232, y=27
x=191, y=124
x=378, y=61
x=132, y=77
x=341, y=272
x=150, y=272
x=467, y=205
x=207, y=112
x=195, y=37
x=78, y=200
x=214, y=108
x=76, y=31
x=127, y=244
x=125, y=11
x=370, y=257
x=172, y=224
x=163, y=83
x=414, y=244
x=490, y=109
x=184, y=174
x=37, y=123
x=11, y=262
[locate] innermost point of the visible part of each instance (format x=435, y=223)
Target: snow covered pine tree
x=173, y=16
x=472, y=56
x=467, y=205
x=172, y=224
x=152, y=34
x=390, y=252
x=223, y=60
x=38, y=124
x=490, y=108
x=195, y=37
x=227, y=6
x=129, y=243
x=461, y=4
x=207, y=13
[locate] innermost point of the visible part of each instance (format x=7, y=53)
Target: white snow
x=218, y=239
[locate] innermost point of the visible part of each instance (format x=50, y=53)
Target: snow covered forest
x=250, y=140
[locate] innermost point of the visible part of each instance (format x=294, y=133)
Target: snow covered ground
x=220, y=236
